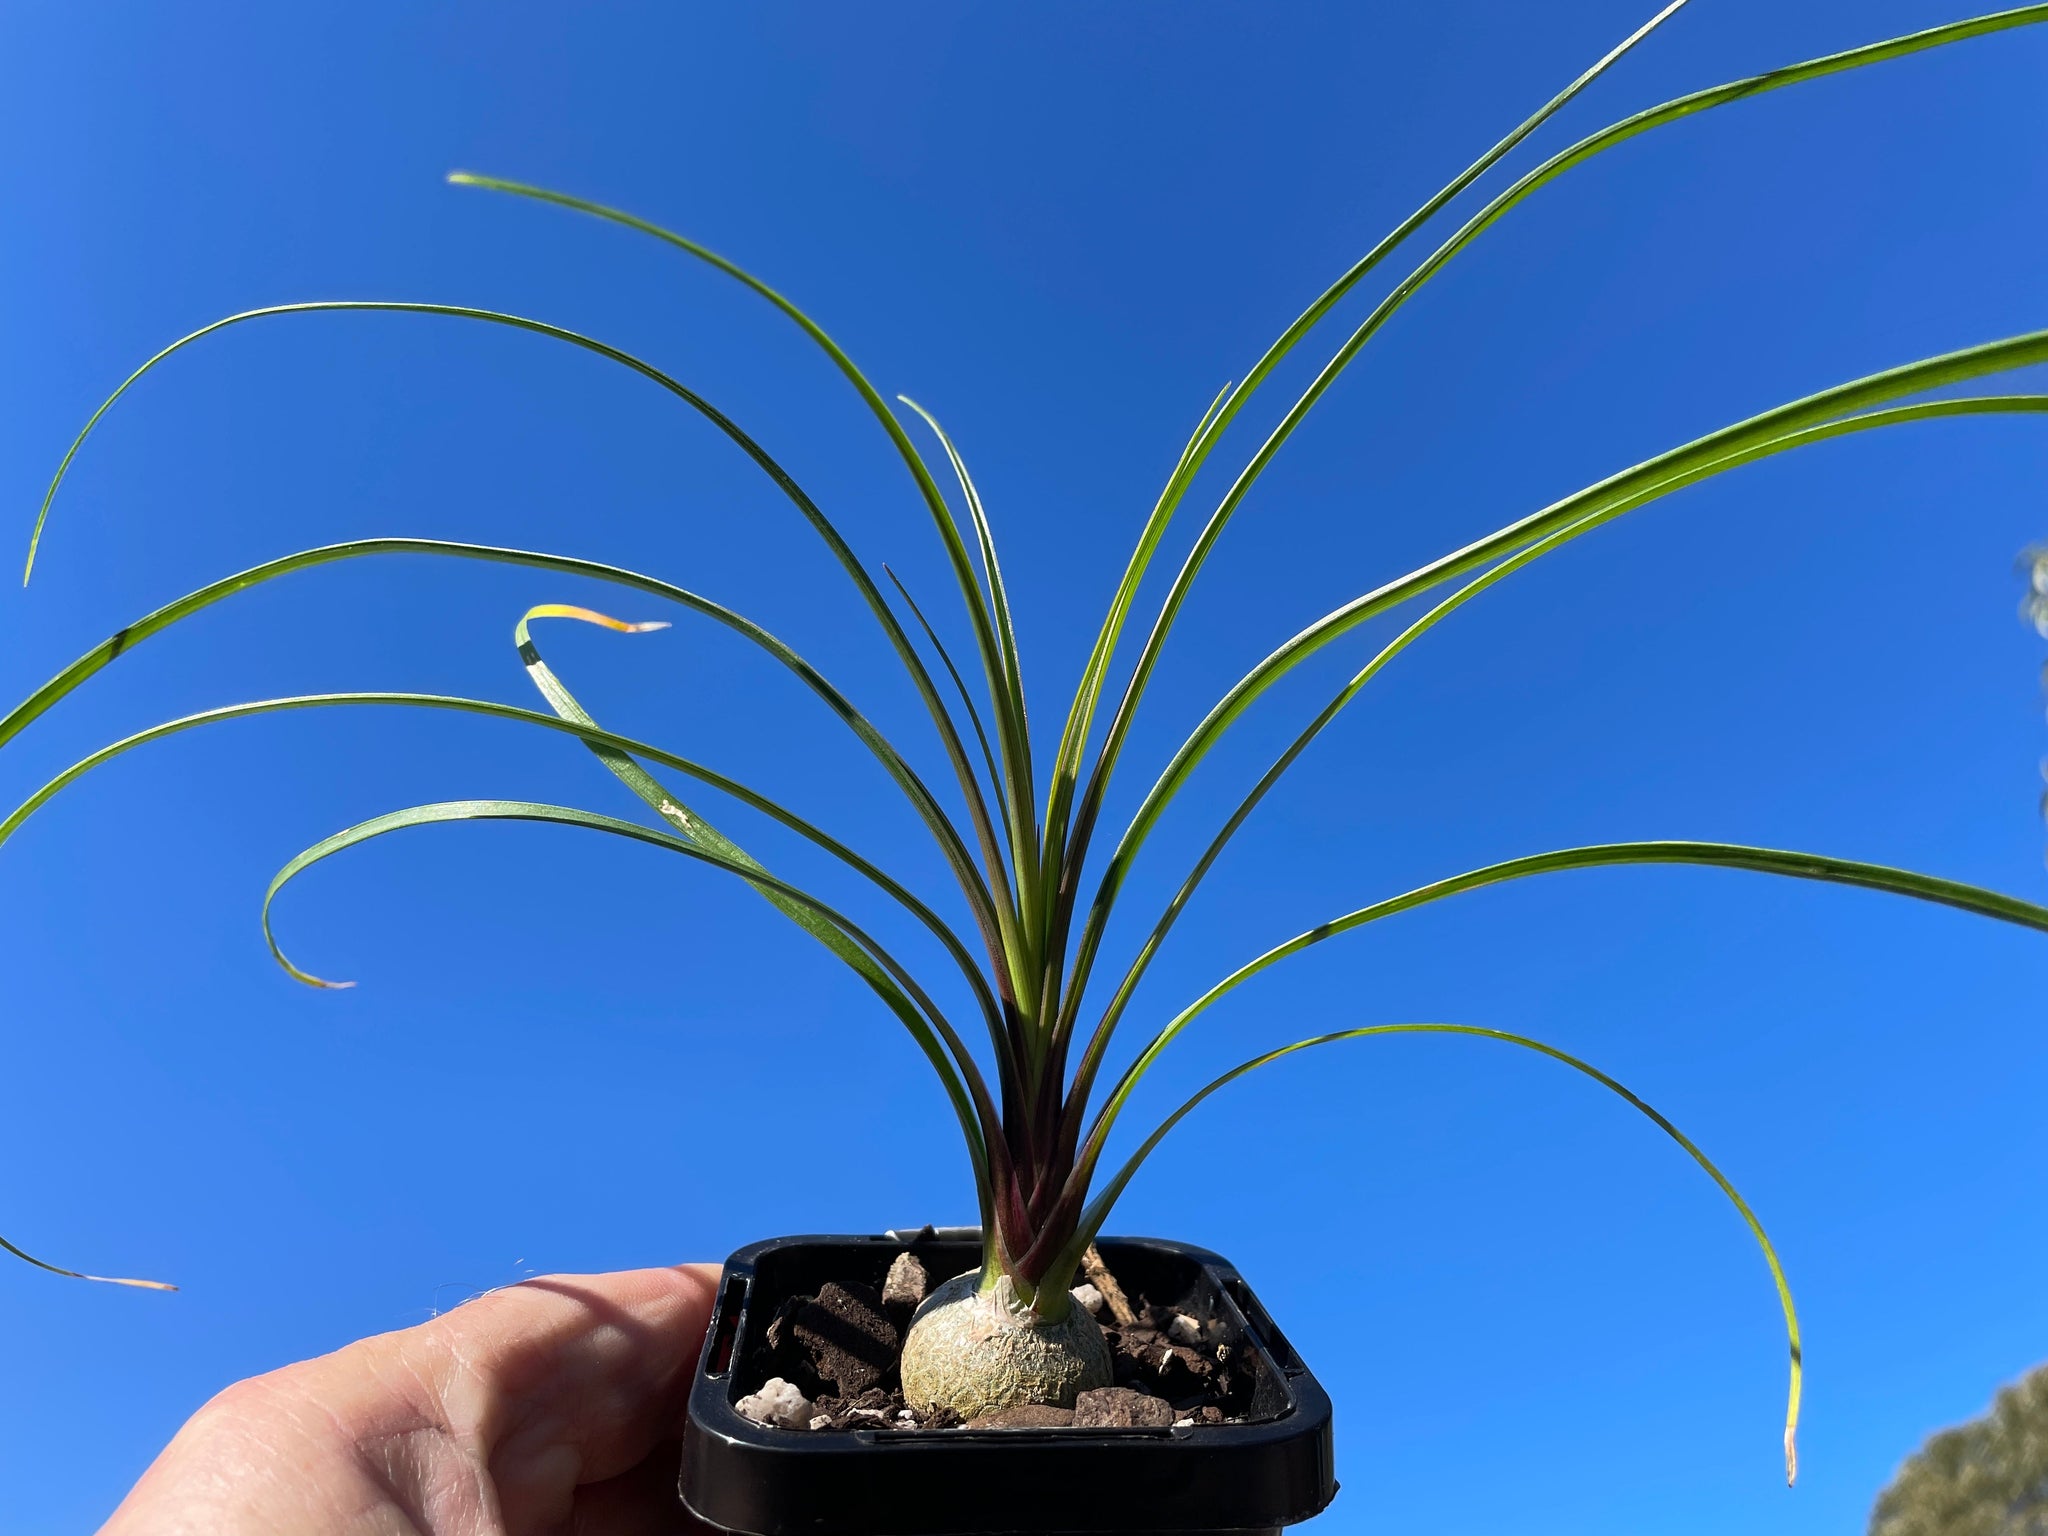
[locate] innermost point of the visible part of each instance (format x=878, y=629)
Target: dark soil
x=841, y=1346
x=847, y=1338
x=1205, y=1380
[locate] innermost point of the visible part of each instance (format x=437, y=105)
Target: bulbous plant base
x=974, y=1352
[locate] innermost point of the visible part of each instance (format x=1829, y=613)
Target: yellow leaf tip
x=590, y=616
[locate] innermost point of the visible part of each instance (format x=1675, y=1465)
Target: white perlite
x=1184, y=1329
x=1089, y=1300
x=977, y=1352
x=778, y=1403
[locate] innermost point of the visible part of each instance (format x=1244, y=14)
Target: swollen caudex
x=974, y=1352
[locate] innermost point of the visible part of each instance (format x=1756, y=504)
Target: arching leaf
x=1926, y=410
x=127, y=638
x=992, y=906
x=1091, y=1220
x=980, y=1121
x=1557, y=165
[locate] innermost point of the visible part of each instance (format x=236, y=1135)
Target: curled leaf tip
x=591, y=616
x=313, y=981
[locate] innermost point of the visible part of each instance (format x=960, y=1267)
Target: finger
x=489, y=1417
x=567, y=1380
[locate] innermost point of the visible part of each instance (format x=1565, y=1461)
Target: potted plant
x=916, y=1381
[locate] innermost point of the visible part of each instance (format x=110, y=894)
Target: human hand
x=550, y=1408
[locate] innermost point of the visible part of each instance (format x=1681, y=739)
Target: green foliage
x=1021, y=860
x=1988, y=1477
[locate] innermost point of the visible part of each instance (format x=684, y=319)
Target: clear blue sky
x=1062, y=230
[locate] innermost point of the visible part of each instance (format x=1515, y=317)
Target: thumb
x=563, y=1381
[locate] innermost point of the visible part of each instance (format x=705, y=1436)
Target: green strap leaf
x=1062, y=860
x=393, y=306
x=927, y=487
x=1088, y=694
x=1020, y=1055
x=1770, y=861
x=593, y=737
x=1927, y=410
x=990, y=909
x=1742, y=443
x=1671, y=111
x=1098, y=1209
x=126, y=639
x=1013, y=720
x=692, y=824
x=988, y=757
x=600, y=741
x=1217, y=419
x=978, y=1115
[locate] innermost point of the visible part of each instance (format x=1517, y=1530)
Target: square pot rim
x=1220, y=1478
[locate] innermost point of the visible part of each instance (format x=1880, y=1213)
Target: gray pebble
x=907, y=1284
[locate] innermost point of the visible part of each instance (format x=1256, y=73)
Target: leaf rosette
x=1030, y=1106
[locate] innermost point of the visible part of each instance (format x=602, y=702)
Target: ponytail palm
x=1038, y=875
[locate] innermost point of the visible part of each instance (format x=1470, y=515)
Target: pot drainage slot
x=730, y=1305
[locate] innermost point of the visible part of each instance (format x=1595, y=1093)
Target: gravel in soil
x=840, y=1350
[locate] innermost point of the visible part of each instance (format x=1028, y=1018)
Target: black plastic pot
x=1271, y=1470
